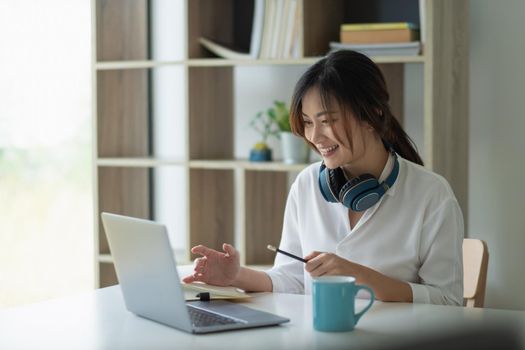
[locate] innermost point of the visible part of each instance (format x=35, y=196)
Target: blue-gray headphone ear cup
x=356, y=189
x=330, y=183
x=352, y=183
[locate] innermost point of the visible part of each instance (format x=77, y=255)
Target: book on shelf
x=277, y=28
x=192, y=291
x=292, y=20
x=224, y=51
x=257, y=28
x=379, y=36
x=378, y=26
x=227, y=51
x=281, y=35
x=370, y=33
x=269, y=16
x=276, y=33
x=384, y=49
x=422, y=21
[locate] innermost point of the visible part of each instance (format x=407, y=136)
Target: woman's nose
x=316, y=134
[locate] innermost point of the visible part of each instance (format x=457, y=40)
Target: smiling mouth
x=327, y=151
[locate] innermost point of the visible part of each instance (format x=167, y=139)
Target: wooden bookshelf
x=227, y=198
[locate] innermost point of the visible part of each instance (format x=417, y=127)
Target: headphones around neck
x=359, y=193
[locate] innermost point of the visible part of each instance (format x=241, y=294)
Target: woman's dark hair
x=356, y=83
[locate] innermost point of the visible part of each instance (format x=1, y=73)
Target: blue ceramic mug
x=334, y=303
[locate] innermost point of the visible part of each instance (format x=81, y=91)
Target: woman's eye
x=328, y=121
x=307, y=122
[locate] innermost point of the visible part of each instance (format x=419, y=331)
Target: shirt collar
x=386, y=171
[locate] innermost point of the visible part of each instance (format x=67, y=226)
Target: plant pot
x=261, y=155
x=295, y=150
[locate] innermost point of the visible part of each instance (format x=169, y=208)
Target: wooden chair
x=475, y=264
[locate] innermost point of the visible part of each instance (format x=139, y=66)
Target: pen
x=273, y=249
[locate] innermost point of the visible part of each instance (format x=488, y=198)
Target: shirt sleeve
x=441, y=256
x=287, y=274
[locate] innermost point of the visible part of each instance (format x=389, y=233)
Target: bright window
x=46, y=229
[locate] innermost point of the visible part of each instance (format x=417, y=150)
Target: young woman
x=369, y=210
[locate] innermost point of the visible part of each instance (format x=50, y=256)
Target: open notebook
x=191, y=291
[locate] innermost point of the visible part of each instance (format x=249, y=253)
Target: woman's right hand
x=216, y=268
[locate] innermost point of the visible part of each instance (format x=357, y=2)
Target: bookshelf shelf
x=220, y=196
x=246, y=165
x=200, y=164
x=138, y=162
x=112, y=65
x=218, y=62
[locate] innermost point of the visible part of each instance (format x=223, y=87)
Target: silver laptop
x=148, y=277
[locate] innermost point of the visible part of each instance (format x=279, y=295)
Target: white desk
x=99, y=320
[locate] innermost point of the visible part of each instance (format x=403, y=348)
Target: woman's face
x=324, y=128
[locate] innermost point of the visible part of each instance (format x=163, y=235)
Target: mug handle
x=372, y=298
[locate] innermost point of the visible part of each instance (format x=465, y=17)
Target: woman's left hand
x=385, y=288
x=321, y=264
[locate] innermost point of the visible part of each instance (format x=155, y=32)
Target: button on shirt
x=413, y=234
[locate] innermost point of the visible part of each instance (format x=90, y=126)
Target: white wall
x=497, y=145
x=255, y=90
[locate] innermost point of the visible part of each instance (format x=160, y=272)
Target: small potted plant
x=266, y=127
x=295, y=150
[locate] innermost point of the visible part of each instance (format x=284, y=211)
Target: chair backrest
x=475, y=264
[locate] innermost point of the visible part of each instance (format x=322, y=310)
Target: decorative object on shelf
x=265, y=125
x=261, y=153
x=295, y=150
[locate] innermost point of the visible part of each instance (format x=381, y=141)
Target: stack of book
x=380, y=39
x=276, y=32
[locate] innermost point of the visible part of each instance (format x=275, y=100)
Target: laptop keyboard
x=201, y=318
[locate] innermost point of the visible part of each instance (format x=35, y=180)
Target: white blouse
x=413, y=234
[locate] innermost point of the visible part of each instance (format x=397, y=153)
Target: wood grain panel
x=211, y=19
x=107, y=275
x=122, y=113
x=395, y=82
x=447, y=94
x=211, y=112
x=211, y=208
x=322, y=20
x=122, y=30
x=123, y=191
x=266, y=194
